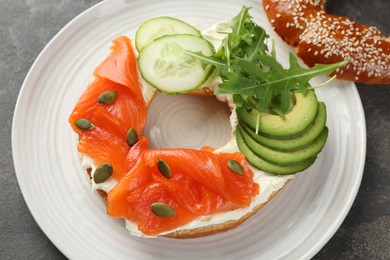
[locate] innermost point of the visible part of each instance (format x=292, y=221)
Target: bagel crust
x=324, y=38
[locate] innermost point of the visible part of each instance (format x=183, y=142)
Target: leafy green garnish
x=253, y=75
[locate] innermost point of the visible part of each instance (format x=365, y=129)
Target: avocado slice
x=297, y=143
x=269, y=167
x=285, y=158
x=293, y=124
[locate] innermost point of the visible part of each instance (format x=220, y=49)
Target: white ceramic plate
x=296, y=224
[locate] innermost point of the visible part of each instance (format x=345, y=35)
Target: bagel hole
x=186, y=121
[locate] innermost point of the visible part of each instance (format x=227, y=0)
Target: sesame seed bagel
x=320, y=37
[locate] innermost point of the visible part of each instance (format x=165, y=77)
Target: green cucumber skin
x=146, y=23
x=265, y=166
x=207, y=75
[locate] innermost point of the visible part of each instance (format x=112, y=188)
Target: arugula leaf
x=253, y=75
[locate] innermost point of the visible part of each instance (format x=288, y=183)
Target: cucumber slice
x=165, y=65
x=160, y=26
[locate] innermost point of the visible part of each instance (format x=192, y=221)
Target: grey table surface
x=27, y=26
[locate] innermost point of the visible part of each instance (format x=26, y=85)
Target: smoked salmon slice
x=121, y=65
x=201, y=184
x=127, y=106
x=106, y=141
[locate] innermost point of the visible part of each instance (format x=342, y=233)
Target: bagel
x=270, y=185
x=323, y=38
x=221, y=221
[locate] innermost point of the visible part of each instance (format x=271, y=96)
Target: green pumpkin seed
x=102, y=173
x=84, y=124
x=107, y=97
x=162, y=210
x=164, y=168
x=131, y=136
x=235, y=167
